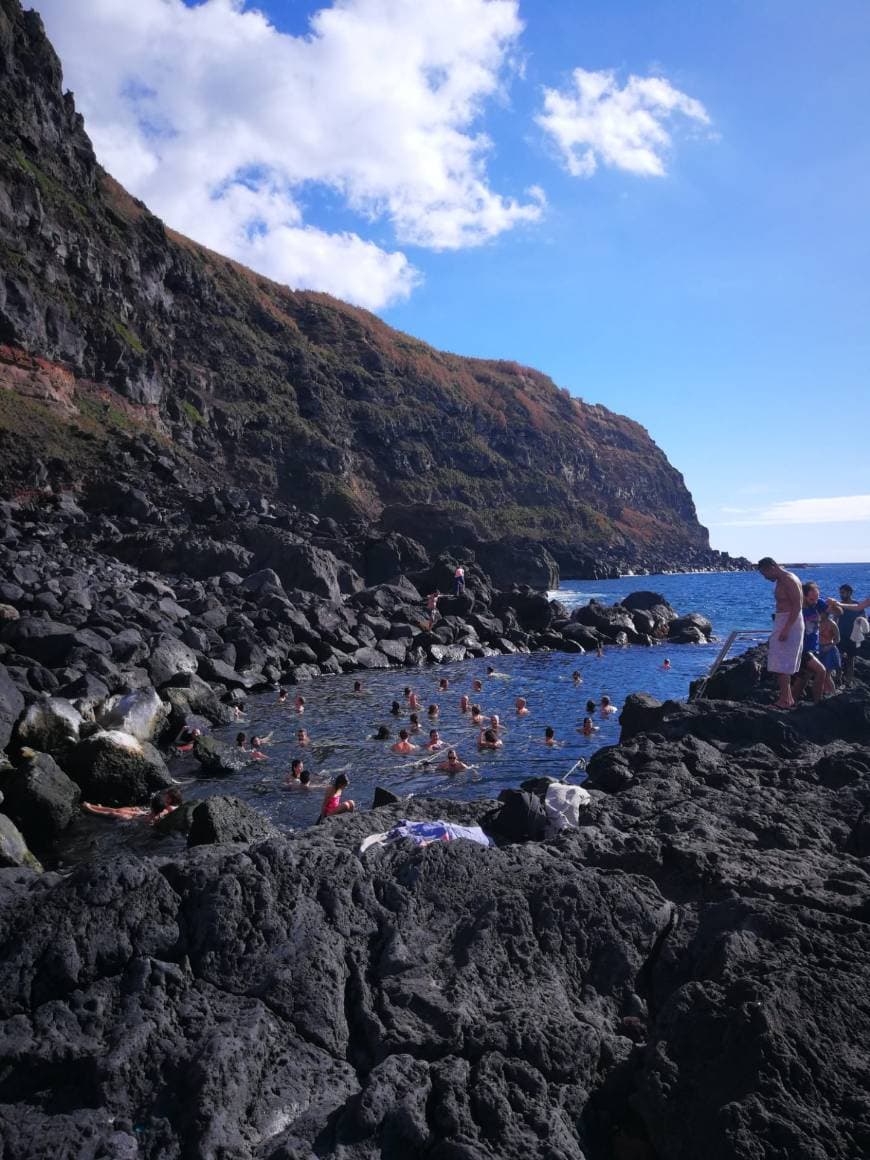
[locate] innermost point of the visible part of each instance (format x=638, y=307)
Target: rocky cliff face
x=110, y=323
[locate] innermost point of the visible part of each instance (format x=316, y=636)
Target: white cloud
x=224, y=126
x=597, y=121
x=838, y=509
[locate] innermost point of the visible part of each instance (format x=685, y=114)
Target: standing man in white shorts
x=787, y=639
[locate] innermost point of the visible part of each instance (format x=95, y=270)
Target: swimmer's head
x=304, y=777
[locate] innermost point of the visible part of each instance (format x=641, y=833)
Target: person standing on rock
x=459, y=581
x=785, y=645
x=432, y=607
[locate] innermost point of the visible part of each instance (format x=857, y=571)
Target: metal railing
x=739, y=634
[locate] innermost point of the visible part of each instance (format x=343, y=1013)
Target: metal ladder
x=739, y=634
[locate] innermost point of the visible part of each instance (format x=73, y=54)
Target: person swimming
x=414, y=723
x=297, y=768
x=299, y=703
x=666, y=664
x=487, y=740
x=332, y=803
x=495, y=723
x=606, y=707
x=414, y=702
x=255, y=751
x=357, y=686
x=396, y=709
x=302, y=737
x=477, y=685
x=464, y=703
x=591, y=706
x=577, y=677
x=599, y=652
x=434, y=741
x=521, y=707
x=550, y=736
x=443, y=685
x=403, y=745
x=162, y=803
x=588, y=728
x=382, y=734
x=282, y=696
x=476, y=715
x=241, y=741
x=433, y=710
x=452, y=764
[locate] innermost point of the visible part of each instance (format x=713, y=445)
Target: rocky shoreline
x=103, y=662
x=685, y=974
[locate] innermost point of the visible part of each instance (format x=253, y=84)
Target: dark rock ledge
x=688, y=975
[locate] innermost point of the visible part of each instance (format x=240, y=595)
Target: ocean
x=341, y=723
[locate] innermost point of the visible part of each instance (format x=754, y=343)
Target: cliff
x=111, y=324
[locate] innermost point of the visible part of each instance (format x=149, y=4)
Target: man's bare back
x=788, y=593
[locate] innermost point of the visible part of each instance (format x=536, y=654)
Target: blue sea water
x=341, y=723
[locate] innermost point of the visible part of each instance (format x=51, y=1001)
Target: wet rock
x=11, y=706
x=690, y=629
x=140, y=713
x=41, y=638
x=168, y=659
x=213, y=669
x=40, y=798
x=226, y=819
x=13, y=848
x=217, y=758
x=372, y=658
x=116, y=769
x=50, y=725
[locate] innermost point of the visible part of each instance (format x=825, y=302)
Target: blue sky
x=702, y=269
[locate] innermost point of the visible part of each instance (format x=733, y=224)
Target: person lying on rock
x=452, y=763
x=185, y=739
x=403, y=745
x=332, y=803
x=162, y=803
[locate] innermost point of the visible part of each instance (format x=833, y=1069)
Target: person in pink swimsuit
x=332, y=803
